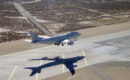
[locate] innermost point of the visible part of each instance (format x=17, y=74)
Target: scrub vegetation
x=60, y=16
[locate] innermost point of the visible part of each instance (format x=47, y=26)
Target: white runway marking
x=37, y=73
x=10, y=77
x=85, y=60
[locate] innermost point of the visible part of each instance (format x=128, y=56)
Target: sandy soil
x=102, y=30
x=82, y=74
x=21, y=45
x=16, y=46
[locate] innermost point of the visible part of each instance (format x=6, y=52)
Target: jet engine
x=68, y=42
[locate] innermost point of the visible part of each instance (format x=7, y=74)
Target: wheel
x=62, y=44
x=55, y=44
x=75, y=39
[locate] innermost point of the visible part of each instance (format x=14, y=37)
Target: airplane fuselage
x=58, y=38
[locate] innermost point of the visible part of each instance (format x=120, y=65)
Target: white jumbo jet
x=56, y=40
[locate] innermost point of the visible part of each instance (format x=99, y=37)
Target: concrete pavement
x=111, y=47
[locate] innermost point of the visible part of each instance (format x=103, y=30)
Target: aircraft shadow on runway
x=68, y=62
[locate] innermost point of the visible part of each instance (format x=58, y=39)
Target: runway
x=105, y=48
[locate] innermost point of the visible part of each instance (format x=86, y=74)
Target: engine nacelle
x=68, y=42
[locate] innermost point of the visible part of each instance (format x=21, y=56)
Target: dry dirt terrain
x=63, y=15
x=13, y=26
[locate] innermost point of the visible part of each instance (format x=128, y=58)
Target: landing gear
x=75, y=39
x=56, y=44
x=62, y=44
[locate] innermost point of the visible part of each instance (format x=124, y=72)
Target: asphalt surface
x=111, y=47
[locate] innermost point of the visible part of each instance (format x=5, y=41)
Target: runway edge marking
x=11, y=75
x=85, y=59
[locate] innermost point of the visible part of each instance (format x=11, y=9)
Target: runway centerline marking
x=63, y=63
x=85, y=59
x=10, y=77
x=37, y=73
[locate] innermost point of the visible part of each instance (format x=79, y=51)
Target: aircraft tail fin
x=34, y=36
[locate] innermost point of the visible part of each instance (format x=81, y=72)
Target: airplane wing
x=70, y=66
x=28, y=40
x=45, y=37
x=58, y=42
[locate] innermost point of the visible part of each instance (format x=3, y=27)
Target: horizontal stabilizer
x=45, y=37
